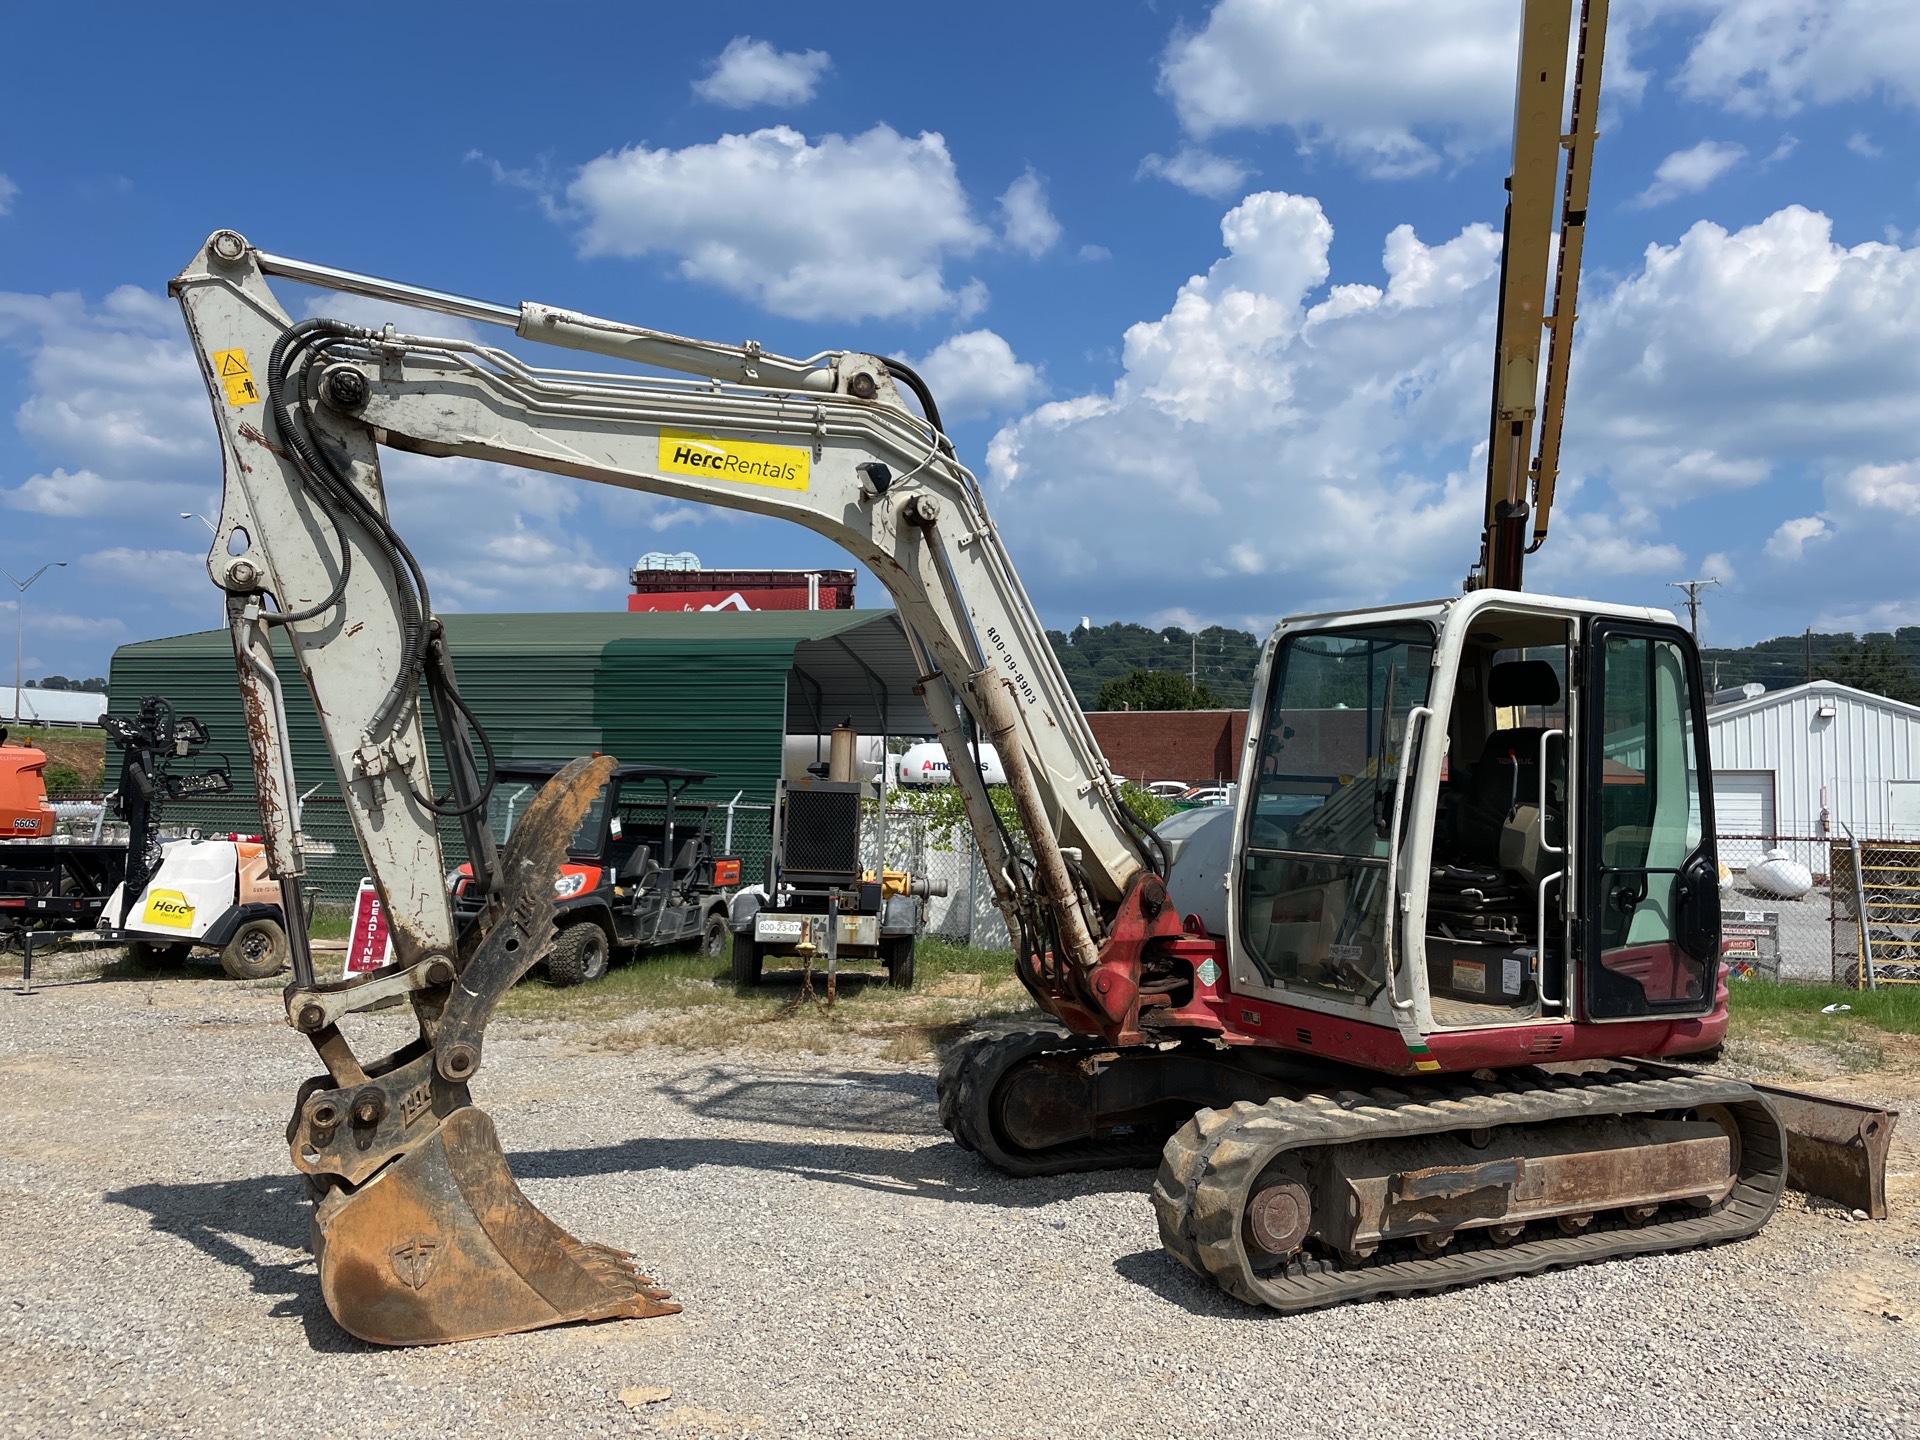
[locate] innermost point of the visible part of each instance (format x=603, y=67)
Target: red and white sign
x=368, y=944
x=745, y=598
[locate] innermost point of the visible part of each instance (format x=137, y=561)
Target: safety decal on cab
x=169, y=908
x=708, y=457
x=235, y=377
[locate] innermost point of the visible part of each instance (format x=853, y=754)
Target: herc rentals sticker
x=707, y=457
x=169, y=908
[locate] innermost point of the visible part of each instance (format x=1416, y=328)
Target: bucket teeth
x=442, y=1245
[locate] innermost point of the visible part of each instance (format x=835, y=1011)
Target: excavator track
x=1205, y=1192
x=973, y=1087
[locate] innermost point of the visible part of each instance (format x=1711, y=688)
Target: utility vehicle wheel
x=579, y=955
x=715, y=936
x=747, y=960
x=149, y=956
x=257, y=950
x=899, y=958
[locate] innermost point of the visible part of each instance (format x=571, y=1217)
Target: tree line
x=1124, y=666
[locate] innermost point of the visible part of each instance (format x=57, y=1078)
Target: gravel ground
x=845, y=1270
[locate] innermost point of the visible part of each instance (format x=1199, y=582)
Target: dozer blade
x=442, y=1245
x=1836, y=1149
x=421, y=1234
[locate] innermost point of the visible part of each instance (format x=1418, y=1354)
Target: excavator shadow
x=931, y=1172
x=1164, y=1277
x=233, y=1221
x=859, y=1101
x=218, y=1217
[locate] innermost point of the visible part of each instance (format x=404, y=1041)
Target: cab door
x=1650, y=904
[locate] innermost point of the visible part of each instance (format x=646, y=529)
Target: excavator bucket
x=442, y=1245
x=420, y=1232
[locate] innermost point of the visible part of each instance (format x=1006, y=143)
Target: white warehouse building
x=1814, y=762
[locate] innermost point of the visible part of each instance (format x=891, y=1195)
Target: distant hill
x=1224, y=659
x=1784, y=660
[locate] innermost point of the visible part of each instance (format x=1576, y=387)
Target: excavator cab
x=1480, y=813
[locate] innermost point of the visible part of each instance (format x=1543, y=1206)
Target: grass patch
x=1774, y=1017
x=76, y=755
x=687, y=1001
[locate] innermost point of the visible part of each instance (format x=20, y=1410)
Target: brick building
x=1192, y=745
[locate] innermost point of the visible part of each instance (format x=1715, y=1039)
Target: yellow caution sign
x=169, y=908
x=231, y=367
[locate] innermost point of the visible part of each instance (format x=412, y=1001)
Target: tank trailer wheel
x=146, y=955
x=579, y=955
x=257, y=950
x=747, y=960
x=715, y=936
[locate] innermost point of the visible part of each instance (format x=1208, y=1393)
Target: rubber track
x=970, y=1078
x=1208, y=1168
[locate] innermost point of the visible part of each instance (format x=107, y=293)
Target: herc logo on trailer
x=783, y=467
x=169, y=908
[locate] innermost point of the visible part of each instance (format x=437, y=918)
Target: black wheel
x=148, y=955
x=746, y=960
x=715, y=936
x=899, y=957
x=257, y=950
x=579, y=955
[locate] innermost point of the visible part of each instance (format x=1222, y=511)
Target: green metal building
x=715, y=691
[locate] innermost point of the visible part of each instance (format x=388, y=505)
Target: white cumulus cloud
x=1689, y=171
x=975, y=374
x=9, y=192
x=1789, y=539
x=1732, y=354
x=1027, y=222
x=1271, y=441
x=846, y=227
x=1388, y=84
x=1198, y=170
x=1774, y=56
x=751, y=72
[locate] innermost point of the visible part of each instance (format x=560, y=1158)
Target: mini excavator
x=1402, y=1018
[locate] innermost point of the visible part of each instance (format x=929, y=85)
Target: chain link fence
x=1888, y=884
x=1764, y=934
x=903, y=839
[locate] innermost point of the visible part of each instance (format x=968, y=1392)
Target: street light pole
x=212, y=529
x=20, y=624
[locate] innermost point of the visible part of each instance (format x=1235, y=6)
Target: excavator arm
x=1520, y=491
x=305, y=547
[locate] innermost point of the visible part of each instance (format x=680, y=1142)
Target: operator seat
x=638, y=867
x=1508, y=775
x=686, y=858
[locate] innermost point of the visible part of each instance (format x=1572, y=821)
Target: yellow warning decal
x=783, y=467
x=169, y=908
x=231, y=367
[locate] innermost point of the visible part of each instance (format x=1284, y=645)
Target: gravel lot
x=845, y=1270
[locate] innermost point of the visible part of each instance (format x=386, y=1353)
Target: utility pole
x=20, y=624
x=1193, y=661
x=1693, y=589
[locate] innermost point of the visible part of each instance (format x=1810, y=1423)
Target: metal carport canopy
x=714, y=689
x=863, y=673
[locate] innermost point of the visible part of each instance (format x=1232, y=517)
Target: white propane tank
x=1780, y=874
x=926, y=764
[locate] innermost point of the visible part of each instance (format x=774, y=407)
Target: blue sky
x=1206, y=289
